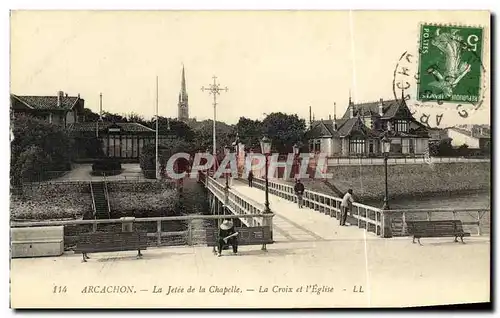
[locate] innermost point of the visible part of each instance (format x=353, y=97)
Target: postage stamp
x=449, y=63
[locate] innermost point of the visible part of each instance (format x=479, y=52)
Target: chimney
x=381, y=107
x=66, y=95
x=329, y=117
x=60, y=96
x=78, y=95
x=351, y=110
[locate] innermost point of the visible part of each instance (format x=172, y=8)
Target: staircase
x=100, y=200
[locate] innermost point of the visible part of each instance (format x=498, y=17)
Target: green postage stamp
x=450, y=63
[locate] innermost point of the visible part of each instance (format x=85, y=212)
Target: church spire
x=183, y=106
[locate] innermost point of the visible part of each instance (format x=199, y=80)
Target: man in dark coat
x=250, y=179
x=299, y=191
x=227, y=235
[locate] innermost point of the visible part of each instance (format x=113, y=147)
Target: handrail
x=238, y=203
x=93, y=200
x=437, y=210
x=137, y=220
x=106, y=195
x=158, y=234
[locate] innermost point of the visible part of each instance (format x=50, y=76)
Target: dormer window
x=401, y=126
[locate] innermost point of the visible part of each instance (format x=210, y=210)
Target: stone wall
x=412, y=179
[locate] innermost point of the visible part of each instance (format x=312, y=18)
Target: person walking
x=299, y=191
x=250, y=179
x=346, y=206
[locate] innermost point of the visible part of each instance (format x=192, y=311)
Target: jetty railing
x=161, y=231
x=238, y=203
x=370, y=218
x=386, y=223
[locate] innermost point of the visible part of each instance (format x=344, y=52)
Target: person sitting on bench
x=227, y=235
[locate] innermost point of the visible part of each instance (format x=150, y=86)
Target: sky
x=270, y=60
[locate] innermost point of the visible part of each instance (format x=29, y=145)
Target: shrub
x=107, y=164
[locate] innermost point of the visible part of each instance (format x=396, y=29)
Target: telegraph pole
x=215, y=90
x=156, y=161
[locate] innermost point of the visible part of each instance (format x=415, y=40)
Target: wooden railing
x=189, y=233
x=367, y=217
x=238, y=203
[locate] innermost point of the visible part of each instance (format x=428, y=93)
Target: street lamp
x=265, y=146
x=236, y=145
x=296, y=150
x=227, y=151
x=386, y=148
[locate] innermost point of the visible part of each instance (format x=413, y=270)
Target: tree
x=284, y=130
x=135, y=118
x=225, y=135
x=38, y=146
x=463, y=150
x=165, y=151
x=89, y=115
x=250, y=132
x=115, y=118
x=30, y=164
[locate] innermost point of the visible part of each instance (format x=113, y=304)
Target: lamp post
x=296, y=150
x=227, y=151
x=386, y=144
x=236, y=145
x=265, y=146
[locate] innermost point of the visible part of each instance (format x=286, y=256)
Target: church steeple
x=183, y=106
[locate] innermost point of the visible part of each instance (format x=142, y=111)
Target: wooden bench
x=37, y=241
x=441, y=228
x=246, y=236
x=111, y=242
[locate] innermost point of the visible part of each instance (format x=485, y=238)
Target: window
x=406, y=145
x=357, y=146
x=317, y=145
x=401, y=125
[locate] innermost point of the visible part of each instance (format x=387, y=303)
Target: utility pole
x=215, y=90
x=100, y=116
x=157, y=161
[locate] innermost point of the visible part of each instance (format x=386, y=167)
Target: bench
x=246, y=236
x=442, y=228
x=111, y=242
x=37, y=241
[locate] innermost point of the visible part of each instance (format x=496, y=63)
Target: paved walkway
x=391, y=272
x=293, y=224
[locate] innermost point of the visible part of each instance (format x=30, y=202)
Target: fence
x=161, y=231
x=367, y=217
x=238, y=203
x=398, y=161
x=386, y=223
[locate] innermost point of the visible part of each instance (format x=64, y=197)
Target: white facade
x=458, y=139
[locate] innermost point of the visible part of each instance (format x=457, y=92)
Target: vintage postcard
x=250, y=159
